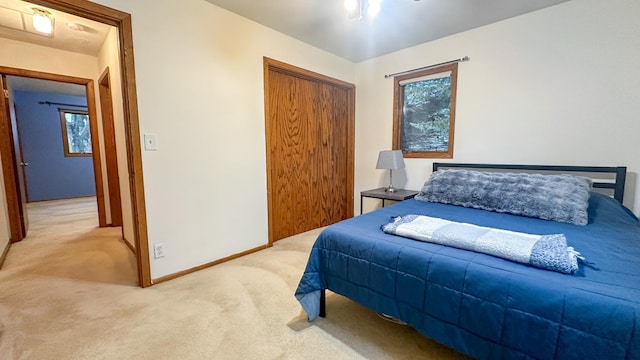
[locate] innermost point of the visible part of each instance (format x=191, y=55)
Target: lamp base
x=391, y=189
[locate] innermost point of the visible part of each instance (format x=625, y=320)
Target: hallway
x=64, y=241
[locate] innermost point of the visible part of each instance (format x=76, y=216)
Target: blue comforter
x=485, y=306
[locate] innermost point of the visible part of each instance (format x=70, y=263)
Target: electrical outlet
x=158, y=251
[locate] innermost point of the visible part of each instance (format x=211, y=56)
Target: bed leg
x=323, y=304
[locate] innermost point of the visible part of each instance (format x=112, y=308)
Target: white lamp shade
x=390, y=159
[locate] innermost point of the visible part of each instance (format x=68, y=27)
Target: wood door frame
x=271, y=64
x=122, y=21
x=110, y=153
x=10, y=167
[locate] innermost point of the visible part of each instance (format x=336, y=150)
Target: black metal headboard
x=617, y=185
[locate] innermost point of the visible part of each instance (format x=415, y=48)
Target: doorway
x=11, y=148
x=310, y=139
x=111, y=158
x=122, y=22
x=53, y=129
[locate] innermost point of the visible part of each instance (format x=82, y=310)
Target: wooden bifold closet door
x=309, y=129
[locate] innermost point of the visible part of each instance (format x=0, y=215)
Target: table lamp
x=392, y=160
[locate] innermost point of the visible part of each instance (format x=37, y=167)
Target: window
x=424, y=112
x=76, y=136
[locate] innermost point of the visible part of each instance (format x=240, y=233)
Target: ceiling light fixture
x=351, y=5
x=374, y=7
x=357, y=8
x=42, y=21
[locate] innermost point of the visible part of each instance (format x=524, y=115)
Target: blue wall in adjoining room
x=50, y=175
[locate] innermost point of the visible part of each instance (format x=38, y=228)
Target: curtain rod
x=61, y=104
x=466, y=58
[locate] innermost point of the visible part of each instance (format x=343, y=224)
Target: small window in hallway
x=76, y=135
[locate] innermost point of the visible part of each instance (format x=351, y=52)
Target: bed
x=485, y=306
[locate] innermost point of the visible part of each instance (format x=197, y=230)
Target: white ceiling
x=28, y=84
x=320, y=23
x=16, y=24
x=400, y=24
x=16, y=19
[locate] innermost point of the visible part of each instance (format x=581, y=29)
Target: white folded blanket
x=543, y=251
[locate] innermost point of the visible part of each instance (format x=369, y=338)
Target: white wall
x=23, y=55
x=199, y=73
x=108, y=57
x=556, y=86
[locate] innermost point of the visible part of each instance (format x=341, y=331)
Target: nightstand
x=380, y=193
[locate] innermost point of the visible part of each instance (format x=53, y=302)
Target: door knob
x=22, y=163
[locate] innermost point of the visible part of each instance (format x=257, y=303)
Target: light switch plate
x=151, y=142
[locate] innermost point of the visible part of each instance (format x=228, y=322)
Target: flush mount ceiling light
x=42, y=20
x=357, y=8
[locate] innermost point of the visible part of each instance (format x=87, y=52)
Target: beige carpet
x=68, y=291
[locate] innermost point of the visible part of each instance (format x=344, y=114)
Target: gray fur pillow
x=562, y=198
